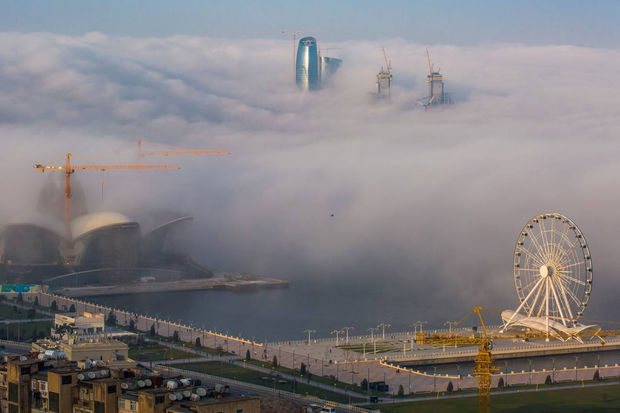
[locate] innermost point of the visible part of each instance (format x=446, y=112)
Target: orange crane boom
x=167, y=150
x=388, y=63
x=69, y=169
x=430, y=65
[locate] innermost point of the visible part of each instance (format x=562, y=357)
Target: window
x=239, y=410
x=132, y=406
x=66, y=379
x=160, y=399
x=13, y=392
x=111, y=389
x=121, y=403
x=54, y=402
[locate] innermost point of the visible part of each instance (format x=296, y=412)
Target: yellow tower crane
x=484, y=367
x=69, y=169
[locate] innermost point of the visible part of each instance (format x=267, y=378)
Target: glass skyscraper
x=307, y=65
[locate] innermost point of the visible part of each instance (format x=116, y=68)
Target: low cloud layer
x=425, y=201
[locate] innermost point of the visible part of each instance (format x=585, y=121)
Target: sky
x=426, y=201
x=591, y=23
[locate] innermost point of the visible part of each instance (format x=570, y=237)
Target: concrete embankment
x=501, y=354
x=180, y=285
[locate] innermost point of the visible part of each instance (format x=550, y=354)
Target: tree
x=501, y=383
x=175, y=336
x=72, y=308
x=548, y=380
x=198, y=343
x=302, y=369
x=401, y=390
x=364, y=384
x=248, y=355
x=54, y=306
x=275, y=361
x=132, y=324
x=20, y=297
x=450, y=387
x=597, y=376
x=111, y=321
x=153, y=330
x=36, y=301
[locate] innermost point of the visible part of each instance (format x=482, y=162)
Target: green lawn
x=250, y=376
x=317, y=378
x=153, y=351
x=587, y=399
x=26, y=331
x=369, y=348
x=9, y=312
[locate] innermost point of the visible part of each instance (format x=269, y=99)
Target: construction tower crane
x=388, y=62
x=294, y=33
x=166, y=150
x=69, y=169
x=484, y=366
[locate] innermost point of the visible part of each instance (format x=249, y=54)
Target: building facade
x=307, y=65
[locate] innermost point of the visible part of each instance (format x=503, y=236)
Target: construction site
x=66, y=246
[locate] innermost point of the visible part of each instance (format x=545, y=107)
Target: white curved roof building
x=517, y=321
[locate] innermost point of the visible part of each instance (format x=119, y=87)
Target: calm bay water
x=282, y=314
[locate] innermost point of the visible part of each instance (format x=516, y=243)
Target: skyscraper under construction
x=384, y=78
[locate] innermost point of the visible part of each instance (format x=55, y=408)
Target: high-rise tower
x=384, y=78
x=307, y=64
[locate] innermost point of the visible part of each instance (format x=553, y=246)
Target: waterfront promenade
x=322, y=357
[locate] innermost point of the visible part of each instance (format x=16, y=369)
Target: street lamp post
x=553, y=361
x=383, y=326
x=347, y=329
x=309, y=331
x=449, y=324
x=420, y=323
x=530, y=361
x=506, y=373
x=576, y=358
x=337, y=333
x=434, y=379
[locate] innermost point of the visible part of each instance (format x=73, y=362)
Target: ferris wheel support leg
x=522, y=304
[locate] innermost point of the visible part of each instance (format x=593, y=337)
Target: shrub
x=401, y=390
x=54, y=306
x=275, y=361
x=72, y=308
x=450, y=387
x=302, y=369
x=548, y=380
x=153, y=330
x=175, y=336
x=364, y=384
x=597, y=376
x=248, y=355
x=501, y=383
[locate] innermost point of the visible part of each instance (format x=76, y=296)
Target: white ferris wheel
x=552, y=271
